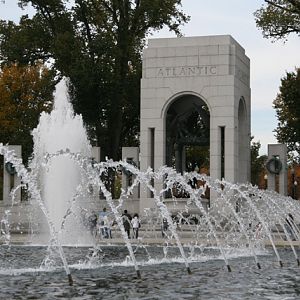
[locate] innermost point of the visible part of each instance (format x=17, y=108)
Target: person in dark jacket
x=126, y=217
x=92, y=223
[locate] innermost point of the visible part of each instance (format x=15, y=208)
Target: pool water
x=28, y=272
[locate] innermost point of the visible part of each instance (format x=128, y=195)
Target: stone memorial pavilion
x=195, y=91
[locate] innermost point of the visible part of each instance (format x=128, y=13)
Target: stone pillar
x=130, y=154
x=96, y=158
x=150, y=156
x=183, y=159
x=10, y=180
x=96, y=152
x=277, y=166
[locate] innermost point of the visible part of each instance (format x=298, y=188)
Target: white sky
x=269, y=61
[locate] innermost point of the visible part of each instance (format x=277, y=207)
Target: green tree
x=257, y=162
x=287, y=109
x=98, y=45
x=278, y=18
x=24, y=93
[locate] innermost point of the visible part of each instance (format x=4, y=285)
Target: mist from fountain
x=60, y=178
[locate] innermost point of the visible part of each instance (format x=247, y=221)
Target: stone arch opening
x=187, y=121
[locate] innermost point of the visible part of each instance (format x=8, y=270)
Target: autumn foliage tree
x=25, y=91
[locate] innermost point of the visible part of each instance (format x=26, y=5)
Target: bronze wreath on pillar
x=10, y=168
x=274, y=165
x=131, y=162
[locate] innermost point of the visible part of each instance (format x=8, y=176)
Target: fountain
x=59, y=179
x=245, y=224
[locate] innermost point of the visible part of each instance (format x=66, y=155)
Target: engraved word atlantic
x=186, y=71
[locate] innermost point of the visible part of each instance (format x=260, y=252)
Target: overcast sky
x=269, y=61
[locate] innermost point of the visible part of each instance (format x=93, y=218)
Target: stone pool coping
x=24, y=239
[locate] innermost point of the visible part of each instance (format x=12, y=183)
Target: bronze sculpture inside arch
x=187, y=140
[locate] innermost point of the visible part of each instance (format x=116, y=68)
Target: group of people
x=101, y=225
x=129, y=222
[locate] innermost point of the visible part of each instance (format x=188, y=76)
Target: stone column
x=10, y=180
x=277, y=152
x=131, y=155
x=96, y=151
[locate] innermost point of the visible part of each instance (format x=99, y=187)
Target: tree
x=287, y=109
x=257, y=162
x=278, y=18
x=24, y=93
x=98, y=45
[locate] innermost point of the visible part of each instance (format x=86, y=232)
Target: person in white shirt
x=135, y=222
x=104, y=224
